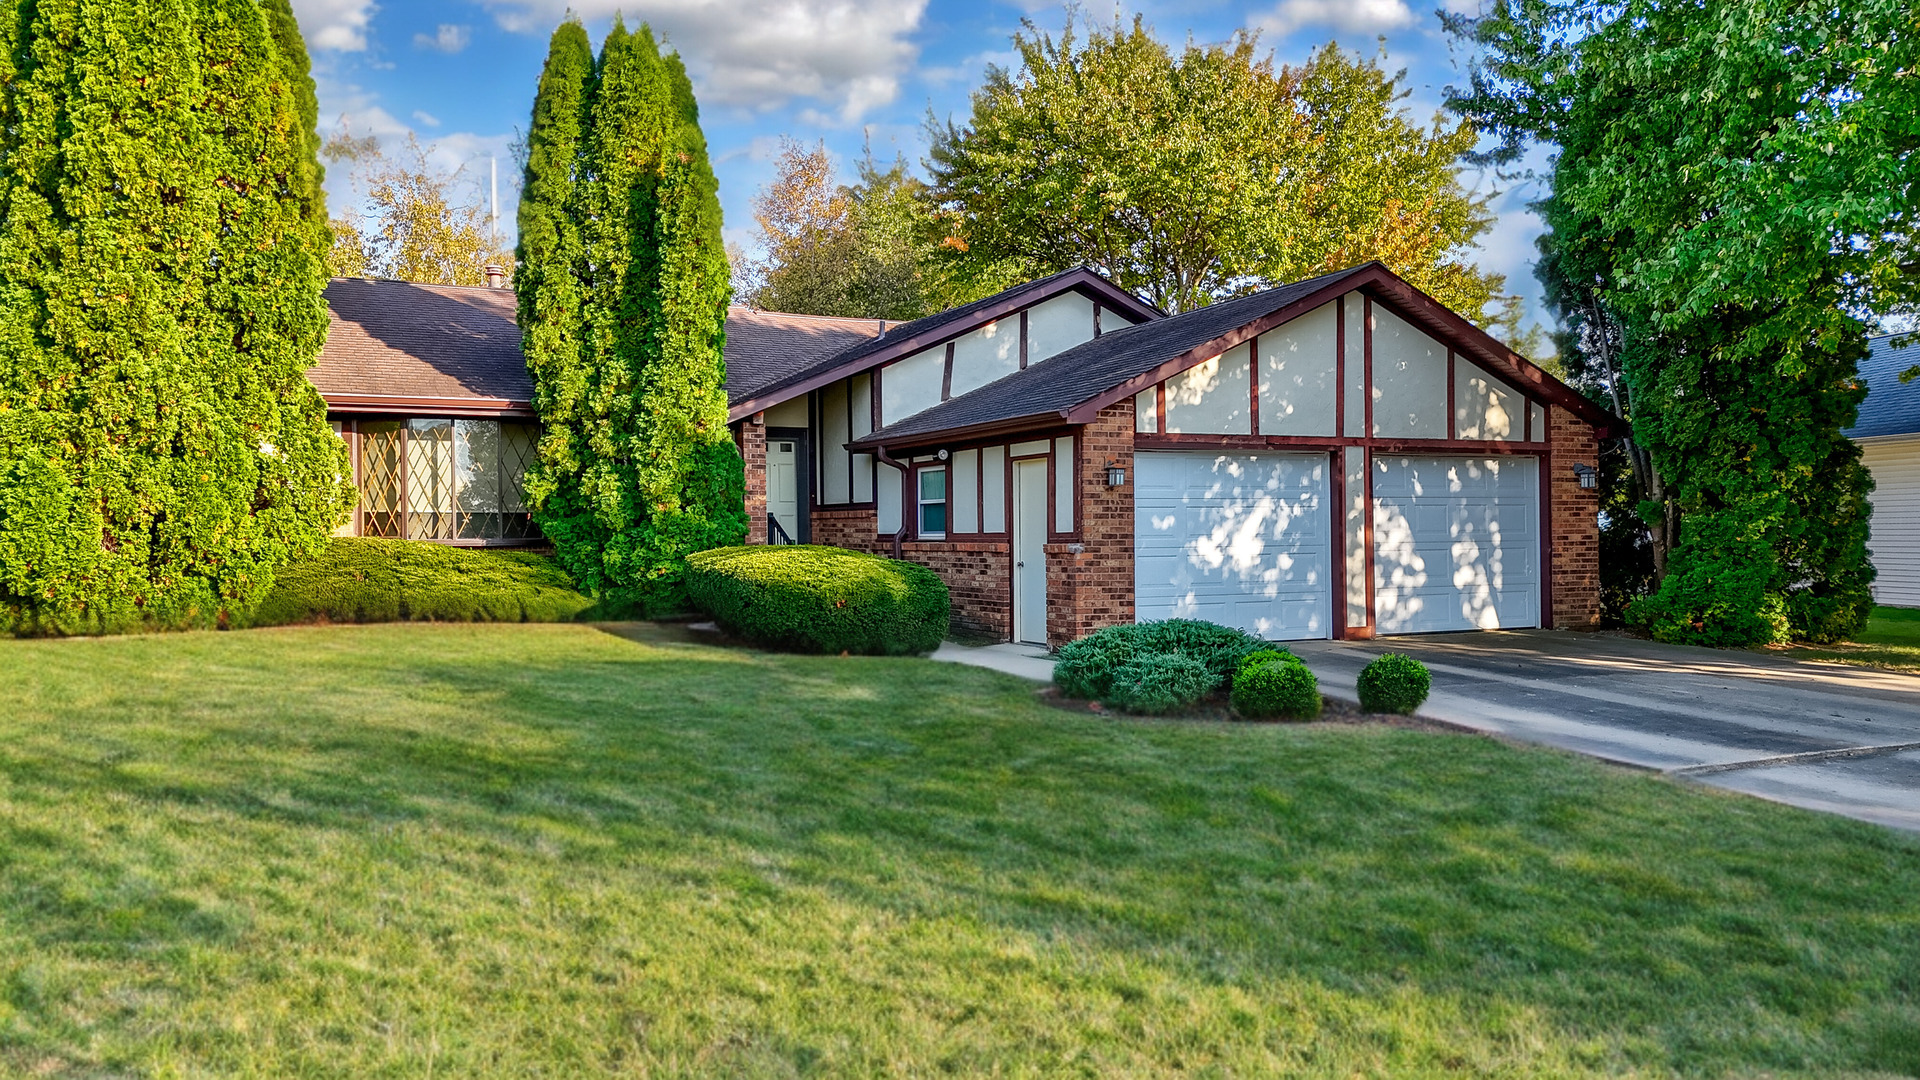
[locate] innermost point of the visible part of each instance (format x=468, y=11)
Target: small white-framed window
x=931, y=497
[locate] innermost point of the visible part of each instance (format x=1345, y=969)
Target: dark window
x=441, y=479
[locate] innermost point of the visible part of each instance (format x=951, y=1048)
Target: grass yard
x=558, y=851
x=1891, y=640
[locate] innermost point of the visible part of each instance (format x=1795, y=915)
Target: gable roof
x=765, y=348
x=395, y=339
x=1892, y=407
x=902, y=339
x=1073, y=386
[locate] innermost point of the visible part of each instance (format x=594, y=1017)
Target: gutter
x=906, y=479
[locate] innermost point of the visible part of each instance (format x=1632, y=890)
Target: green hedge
x=1394, y=684
x=1086, y=668
x=365, y=580
x=1274, y=684
x=808, y=598
x=1159, y=683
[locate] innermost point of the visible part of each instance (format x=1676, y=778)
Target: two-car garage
x=1249, y=540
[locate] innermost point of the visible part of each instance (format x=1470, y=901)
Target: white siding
x=912, y=385
x=789, y=413
x=1057, y=325
x=1483, y=406
x=986, y=354
x=1409, y=380
x=1356, y=357
x=1146, y=410
x=993, y=489
x=835, y=470
x=1212, y=396
x=860, y=402
x=886, y=498
x=1063, y=494
x=1298, y=376
x=1538, y=412
x=964, y=496
x=1895, y=545
x=1354, y=460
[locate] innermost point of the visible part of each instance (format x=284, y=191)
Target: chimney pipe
x=495, y=276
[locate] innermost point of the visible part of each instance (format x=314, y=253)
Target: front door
x=783, y=490
x=1029, y=551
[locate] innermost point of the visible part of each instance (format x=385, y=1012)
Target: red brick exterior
x=979, y=577
x=1573, y=534
x=751, y=437
x=855, y=530
x=1090, y=583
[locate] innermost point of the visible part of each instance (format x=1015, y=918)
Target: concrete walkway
x=1824, y=736
x=1026, y=661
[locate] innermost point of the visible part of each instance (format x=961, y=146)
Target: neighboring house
x=1339, y=457
x=1888, y=431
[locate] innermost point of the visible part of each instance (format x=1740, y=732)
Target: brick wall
x=752, y=440
x=1090, y=583
x=1574, y=526
x=979, y=577
x=855, y=530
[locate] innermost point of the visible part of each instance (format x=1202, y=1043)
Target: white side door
x=1456, y=543
x=1029, y=551
x=1237, y=539
x=783, y=488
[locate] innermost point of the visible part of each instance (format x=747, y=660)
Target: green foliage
x=1192, y=177
x=364, y=580
x=1394, y=683
x=1275, y=684
x=1158, y=683
x=162, y=246
x=1086, y=668
x=623, y=304
x=808, y=598
x=1732, y=194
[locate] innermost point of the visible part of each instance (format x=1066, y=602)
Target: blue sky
x=461, y=74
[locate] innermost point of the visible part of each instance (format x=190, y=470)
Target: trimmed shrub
x=1158, y=683
x=366, y=580
x=1394, y=684
x=1274, y=684
x=808, y=598
x=1086, y=668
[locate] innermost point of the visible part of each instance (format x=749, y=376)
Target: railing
x=776, y=534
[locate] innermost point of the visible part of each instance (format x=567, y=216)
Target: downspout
x=906, y=478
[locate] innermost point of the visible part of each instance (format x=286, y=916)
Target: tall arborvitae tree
x=160, y=276
x=549, y=284
x=637, y=469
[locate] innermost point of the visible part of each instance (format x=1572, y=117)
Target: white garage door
x=1456, y=543
x=1239, y=540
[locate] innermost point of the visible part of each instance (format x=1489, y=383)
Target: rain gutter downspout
x=906, y=478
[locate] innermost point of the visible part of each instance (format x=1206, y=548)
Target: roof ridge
x=861, y=320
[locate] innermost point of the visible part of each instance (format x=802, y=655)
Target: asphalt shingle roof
x=1083, y=372
x=1892, y=407
x=768, y=347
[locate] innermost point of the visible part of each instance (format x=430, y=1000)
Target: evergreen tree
x=160, y=274
x=637, y=469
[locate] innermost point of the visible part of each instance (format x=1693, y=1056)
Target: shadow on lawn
x=1372, y=862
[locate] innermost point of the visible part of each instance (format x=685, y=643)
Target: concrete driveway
x=1824, y=736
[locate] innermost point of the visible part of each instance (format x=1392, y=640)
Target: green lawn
x=554, y=851
x=1891, y=640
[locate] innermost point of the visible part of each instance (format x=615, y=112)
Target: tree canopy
x=1192, y=176
x=417, y=222
x=1732, y=192
x=623, y=307
x=162, y=242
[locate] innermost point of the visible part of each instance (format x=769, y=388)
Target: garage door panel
x=1456, y=544
x=1242, y=540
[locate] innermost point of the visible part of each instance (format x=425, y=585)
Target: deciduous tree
x=415, y=226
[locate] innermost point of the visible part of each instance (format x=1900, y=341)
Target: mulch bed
x=1217, y=710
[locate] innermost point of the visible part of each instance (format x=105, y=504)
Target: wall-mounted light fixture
x=1588, y=476
x=942, y=455
x=1116, y=475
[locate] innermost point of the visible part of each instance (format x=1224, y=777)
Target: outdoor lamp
x=1116, y=475
x=1588, y=476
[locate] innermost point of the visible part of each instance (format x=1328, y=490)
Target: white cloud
x=1353, y=16
x=845, y=56
x=425, y=118
x=448, y=38
x=335, y=25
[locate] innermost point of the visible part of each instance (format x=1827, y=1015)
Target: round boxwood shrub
x=1158, y=683
x=808, y=598
x=1272, y=685
x=1394, y=684
x=365, y=580
x=1086, y=668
